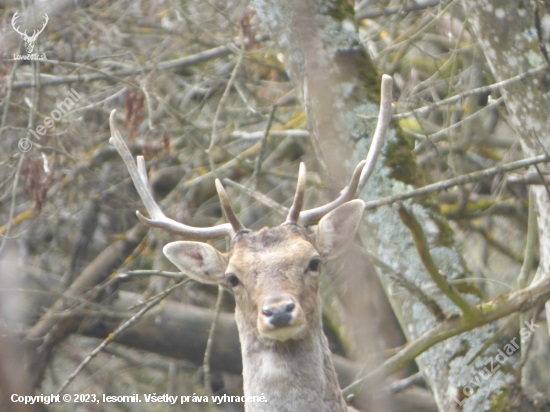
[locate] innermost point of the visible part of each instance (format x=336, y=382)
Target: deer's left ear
x=199, y=261
x=337, y=229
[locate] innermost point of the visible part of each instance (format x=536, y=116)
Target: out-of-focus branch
x=479, y=90
x=517, y=301
x=414, y=6
x=47, y=80
x=531, y=242
x=414, y=290
x=49, y=329
x=408, y=218
x=120, y=330
x=457, y=181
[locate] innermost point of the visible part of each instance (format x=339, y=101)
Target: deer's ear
x=199, y=261
x=337, y=229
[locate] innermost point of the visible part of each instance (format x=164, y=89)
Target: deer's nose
x=279, y=311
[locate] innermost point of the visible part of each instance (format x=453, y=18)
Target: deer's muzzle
x=280, y=317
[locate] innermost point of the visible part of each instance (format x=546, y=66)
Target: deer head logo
x=29, y=40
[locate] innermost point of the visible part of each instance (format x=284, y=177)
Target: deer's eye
x=233, y=281
x=314, y=265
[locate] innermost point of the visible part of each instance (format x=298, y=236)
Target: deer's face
x=29, y=44
x=274, y=275
x=273, y=272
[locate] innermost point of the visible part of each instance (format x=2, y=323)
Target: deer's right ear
x=199, y=261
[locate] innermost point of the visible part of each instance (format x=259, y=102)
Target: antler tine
x=142, y=170
x=227, y=209
x=14, y=20
x=36, y=32
x=384, y=118
x=314, y=215
x=138, y=174
x=296, y=208
x=364, y=169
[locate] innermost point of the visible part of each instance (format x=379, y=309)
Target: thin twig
x=398, y=277
x=379, y=12
x=208, y=351
x=47, y=80
x=32, y=113
x=195, y=181
x=213, y=138
x=406, y=383
x=259, y=196
x=274, y=133
x=440, y=135
x=172, y=275
x=415, y=31
x=117, y=332
x=530, y=244
x=260, y=157
x=12, y=204
x=458, y=181
x=479, y=90
x=7, y=100
x=492, y=241
x=537, y=168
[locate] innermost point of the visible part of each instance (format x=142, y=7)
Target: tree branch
x=457, y=181
x=423, y=249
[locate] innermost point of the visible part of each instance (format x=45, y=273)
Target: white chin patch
x=272, y=367
x=283, y=333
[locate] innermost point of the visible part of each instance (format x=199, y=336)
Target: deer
x=274, y=275
x=29, y=40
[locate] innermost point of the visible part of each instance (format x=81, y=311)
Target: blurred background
x=183, y=74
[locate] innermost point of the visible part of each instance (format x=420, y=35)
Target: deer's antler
x=14, y=20
x=138, y=173
x=227, y=209
x=37, y=32
x=358, y=180
x=296, y=208
x=362, y=172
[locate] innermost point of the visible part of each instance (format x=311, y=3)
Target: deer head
x=29, y=40
x=273, y=272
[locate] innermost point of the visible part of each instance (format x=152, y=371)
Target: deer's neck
x=292, y=376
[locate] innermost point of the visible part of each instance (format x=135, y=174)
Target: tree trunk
x=507, y=36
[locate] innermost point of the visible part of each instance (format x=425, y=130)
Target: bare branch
x=259, y=196
x=47, y=80
x=518, y=301
x=408, y=218
x=457, y=181
x=117, y=332
x=260, y=157
x=430, y=303
x=479, y=90
x=412, y=6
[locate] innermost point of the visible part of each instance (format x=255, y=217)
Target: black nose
x=279, y=315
